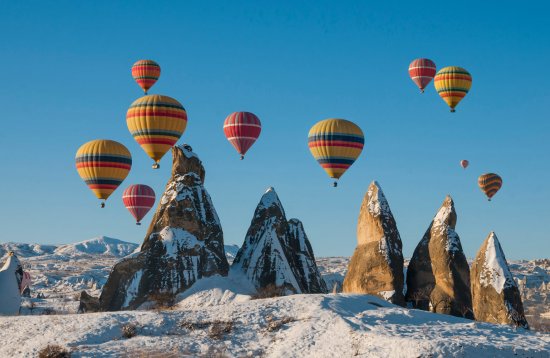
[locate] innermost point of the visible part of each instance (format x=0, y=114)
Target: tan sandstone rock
x=376, y=267
x=495, y=294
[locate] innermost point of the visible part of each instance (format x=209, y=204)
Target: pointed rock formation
x=438, y=276
x=376, y=267
x=11, y=275
x=183, y=244
x=495, y=294
x=277, y=252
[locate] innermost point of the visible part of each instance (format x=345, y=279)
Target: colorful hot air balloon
x=146, y=73
x=464, y=163
x=490, y=183
x=422, y=71
x=26, y=281
x=156, y=122
x=335, y=144
x=103, y=164
x=242, y=129
x=452, y=83
x=138, y=199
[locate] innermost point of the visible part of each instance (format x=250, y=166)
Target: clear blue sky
x=66, y=80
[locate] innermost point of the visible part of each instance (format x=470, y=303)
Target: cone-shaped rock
x=10, y=279
x=277, y=252
x=376, y=267
x=438, y=276
x=183, y=244
x=495, y=294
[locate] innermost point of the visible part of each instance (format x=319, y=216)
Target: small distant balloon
x=464, y=163
x=490, y=184
x=422, y=71
x=452, y=84
x=138, y=199
x=146, y=73
x=242, y=129
x=335, y=144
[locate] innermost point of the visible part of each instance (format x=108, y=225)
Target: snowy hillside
x=317, y=325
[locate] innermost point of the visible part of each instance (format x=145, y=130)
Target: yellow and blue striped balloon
x=156, y=122
x=103, y=164
x=452, y=83
x=335, y=144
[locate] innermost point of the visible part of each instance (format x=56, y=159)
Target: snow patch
x=495, y=268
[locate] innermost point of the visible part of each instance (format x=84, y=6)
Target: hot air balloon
x=489, y=183
x=452, y=83
x=138, y=199
x=146, y=73
x=335, y=144
x=156, y=122
x=422, y=71
x=464, y=163
x=26, y=281
x=103, y=164
x=242, y=129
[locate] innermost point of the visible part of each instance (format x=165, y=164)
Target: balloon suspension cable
x=155, y=166
x=242, y=157
x=102, y=204
x=335, y=184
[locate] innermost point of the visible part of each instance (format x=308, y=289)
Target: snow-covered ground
x=217, y=317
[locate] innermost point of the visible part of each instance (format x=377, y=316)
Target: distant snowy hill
x=98, y=246
x=26, y=250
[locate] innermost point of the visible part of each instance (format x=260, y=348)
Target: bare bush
x=54, y=351
x=129, y=330
x=276, y=324
x=269, y=291
x=219, y=329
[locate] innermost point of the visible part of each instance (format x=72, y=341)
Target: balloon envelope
x=464, y=163
x=422, y=71
x=156, y=122
x=138, y=199
x=490, y=183
x=242, y=129
x=103, y=164
x=452, y=84
x=146, y=73
x=335, y=144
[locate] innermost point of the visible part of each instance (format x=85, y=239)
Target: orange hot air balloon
x=464, y=163
x=489, y=183
x=146, y=73
x=422, y=71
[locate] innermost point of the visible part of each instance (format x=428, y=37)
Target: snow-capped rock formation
x=183, y=244
x=438, y=276
x=99, y=245
x=277, y=252
x=10, y=278
x=495, y=294
x=376, y=267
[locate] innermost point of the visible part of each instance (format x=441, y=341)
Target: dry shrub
x=269, y=291
x=129, y=330
x=54, y=351
x=219, y=329
x=276, y=324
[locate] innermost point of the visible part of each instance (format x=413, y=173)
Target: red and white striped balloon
x=242, y=129
x=138, y=199
x=26, y=280
x=422, y=71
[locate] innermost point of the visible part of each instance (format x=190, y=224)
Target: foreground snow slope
x=322, y=325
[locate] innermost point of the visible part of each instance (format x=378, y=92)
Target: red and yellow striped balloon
x=146, y=73
x=490, y=183
x=138, y=199
x=452, y=83
x=335, y=144
x=242, y=129
x=103, y=164
x=422, y=71
x=156, y=122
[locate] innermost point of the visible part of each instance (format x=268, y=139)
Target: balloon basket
x=335, y=184
x=138, y=223
x=242, y=157
x=155, y=166
x=453, y=110
x=102, y=205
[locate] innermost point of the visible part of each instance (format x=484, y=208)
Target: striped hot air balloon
x=103, y=164
x=146, y=73
x=335, y=144
x=156, y=122
x=422, y=71
x=464, y=163
x=138, y=199
x=452, y=83
x=489, y=183
x=242, y=129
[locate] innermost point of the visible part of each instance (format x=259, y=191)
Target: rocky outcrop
x=277, y=252
x=376, y=267
x=11, y=275
x=495, y=294
x=438, y=276
x=183, y=243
